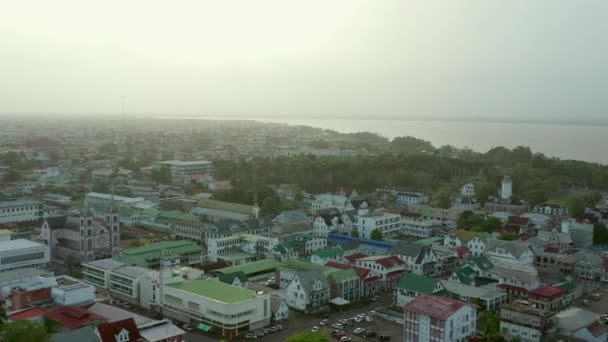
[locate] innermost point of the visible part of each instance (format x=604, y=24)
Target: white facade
x=23, y=253
x=417, y=227
x=389, y=224
x=328, y=201
x=507, y=187
x=298, y=298
x=524, y=333
x=477, y=246
x=185, y=304
x=184, y=170
x=458, y=326
x=509, y=253
x=70, y=291
x=247, y=243
x=20, y=210
x=468, y=190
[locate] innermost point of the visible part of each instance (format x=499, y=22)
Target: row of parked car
x=596, y=297
x=263, y=332
x=121, y=303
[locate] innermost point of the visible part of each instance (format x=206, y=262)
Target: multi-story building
x=521, y=320
x=23, y=253
x=387, y=223
x=418, y=258
x=183, y=171
x=415, y=225
x=432, y=318
x=109, y=200
x=555, y=213
x=125, y=283
x=509, y=253
x=85, y=235
x=388, y=267
x=345, y=284
x=165, y=254
x=330, y=201
x=208, y=304
x=308, y=291
x=582, y=233
x=20, y=210
x=411, y=286
x=241, y=248
x=97, y=273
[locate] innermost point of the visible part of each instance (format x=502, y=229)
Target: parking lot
x=597, y=306
x=299, y=323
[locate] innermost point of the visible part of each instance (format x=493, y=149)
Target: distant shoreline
x=269, y=118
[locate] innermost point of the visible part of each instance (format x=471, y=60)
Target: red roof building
x=354, y=257
x=437, y=311
x=29, y=314
x=125, y=330
x=74, y=317
x=546, y=297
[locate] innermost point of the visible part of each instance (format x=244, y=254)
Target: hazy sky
x=496, y=59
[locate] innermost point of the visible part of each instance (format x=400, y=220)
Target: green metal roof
x=342, y=275
x=416, y=283
x=215, y=290
x=330, y=252
x=229, y=278
x=268, y=265
x=293, y=266
x=466, y=275
x=151, y=212
x=139, y=255
x=482, y=262
x=567, y=286
x=177, y=215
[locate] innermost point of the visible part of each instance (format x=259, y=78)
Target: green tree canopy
x=101, y=187
x=162, y=175
x=483, y=191
x=376, y=235
x=600, y=234
x=354, y=233
x=12, y=175
x=576, y=205
x=308, y=337
x=411, y=145
x=508, y=236
x=23, y=330
x=536, y=196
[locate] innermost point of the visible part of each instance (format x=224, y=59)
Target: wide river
x=579, y=142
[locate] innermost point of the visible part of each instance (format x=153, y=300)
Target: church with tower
x=82, y=234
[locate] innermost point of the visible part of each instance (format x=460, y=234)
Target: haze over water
x=578, y=142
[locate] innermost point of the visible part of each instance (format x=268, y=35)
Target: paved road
x=299, y=323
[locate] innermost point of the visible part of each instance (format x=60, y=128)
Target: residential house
x=486, y=296
x=328, y=254
x=556, y=213
x=582, y=324
x=235, y=279
x=308, y=291
x=370, y=284
x=287, y=250
x=347, y=192
x=562, y=241
x=279, y=309
x=419, y=259
x=475, y=242
x=119, y=331
x=433, y=318
x=590, y=267
x=502, y=252
x=415, y=225
x=411, y=286
x=345, y=284
x=330, y=201
x=326, y=222
x=520, y=320
x=388, y=267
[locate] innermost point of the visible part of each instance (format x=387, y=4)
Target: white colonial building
x=23, y=253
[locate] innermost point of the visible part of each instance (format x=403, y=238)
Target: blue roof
x=337, y=238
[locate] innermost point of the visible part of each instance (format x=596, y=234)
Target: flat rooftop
x=18, y=202
x=106, y=264
x=266, y=265
x=13, y=245
x=215, y=290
